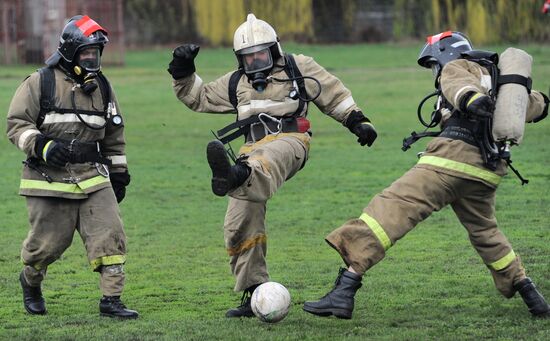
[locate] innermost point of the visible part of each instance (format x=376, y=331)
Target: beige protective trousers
x=272, y=160
x=399, y=208
x=53, y=223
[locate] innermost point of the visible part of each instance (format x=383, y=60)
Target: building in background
x=30, y=29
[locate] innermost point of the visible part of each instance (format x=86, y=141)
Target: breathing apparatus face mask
x=88, y=64
x=256, y=66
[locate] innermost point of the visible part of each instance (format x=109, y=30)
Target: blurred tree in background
x=213, y=22
x=152, y=22
x=485, y=21
x=29, y=29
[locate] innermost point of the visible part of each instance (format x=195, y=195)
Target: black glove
x=478, y=104
x=54, y=153
x=119, y=181
x=358, y=124
x=182, y=64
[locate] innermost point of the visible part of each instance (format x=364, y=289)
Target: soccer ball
x=270, y=302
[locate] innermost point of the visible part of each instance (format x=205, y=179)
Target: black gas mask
x=88, y=64
x=256, y=66
x=259, y=81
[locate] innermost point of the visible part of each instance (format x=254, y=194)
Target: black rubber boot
x=533, y=298
x=245, y=309
x=340, y=300
x=225, y=177
x=112, y=306
x=32, y=298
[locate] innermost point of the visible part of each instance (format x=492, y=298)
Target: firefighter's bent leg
x=53, y=221
x=476, y=212
x=271, y=163
x=103, y=235
x=390, y=215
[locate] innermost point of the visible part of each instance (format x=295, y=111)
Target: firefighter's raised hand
x=478, y=104
x=182, y=64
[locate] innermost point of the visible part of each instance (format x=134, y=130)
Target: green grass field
x=432, y=284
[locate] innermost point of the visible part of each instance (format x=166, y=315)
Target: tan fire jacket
x=456, y=157
x=335, y=99
x=75, y=181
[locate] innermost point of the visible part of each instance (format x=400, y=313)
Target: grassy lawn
x=432, y=284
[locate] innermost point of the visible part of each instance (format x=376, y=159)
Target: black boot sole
x=339, y=313
x=118, y=317
x=32, y=312
x=239, y=316
x=220, y=166
x=541, y=313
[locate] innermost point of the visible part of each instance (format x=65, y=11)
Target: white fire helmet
x=253, y=36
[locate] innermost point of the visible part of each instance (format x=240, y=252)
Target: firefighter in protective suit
x=66, y=119
x=270, y=93
x=451, y=171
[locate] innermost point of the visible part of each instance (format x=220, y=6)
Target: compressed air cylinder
x=512, y=98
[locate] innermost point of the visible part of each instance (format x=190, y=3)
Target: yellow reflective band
x=473, y=98
x=61, y=186
x=504, y=261
x=50, y=186
x=377, y=229
x=45, y=150
x=461, y=167
x=93, y=181
x=247, y=244
x=108, y=260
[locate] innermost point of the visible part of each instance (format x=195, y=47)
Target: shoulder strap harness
x=47, y=95
x=243, y=126
x=482, y=128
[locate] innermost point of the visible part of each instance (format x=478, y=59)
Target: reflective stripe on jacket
x=75, y=181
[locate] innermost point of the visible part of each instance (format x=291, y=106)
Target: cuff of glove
x=120, y=179
x=467, y=99
x=40, y=144
x=355, y=118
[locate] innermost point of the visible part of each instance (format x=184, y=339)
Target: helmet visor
x=89, y=58
x=257, y=61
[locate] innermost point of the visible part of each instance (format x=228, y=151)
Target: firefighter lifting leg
x=225, y=176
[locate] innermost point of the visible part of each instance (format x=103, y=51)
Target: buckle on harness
x=263, y=121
